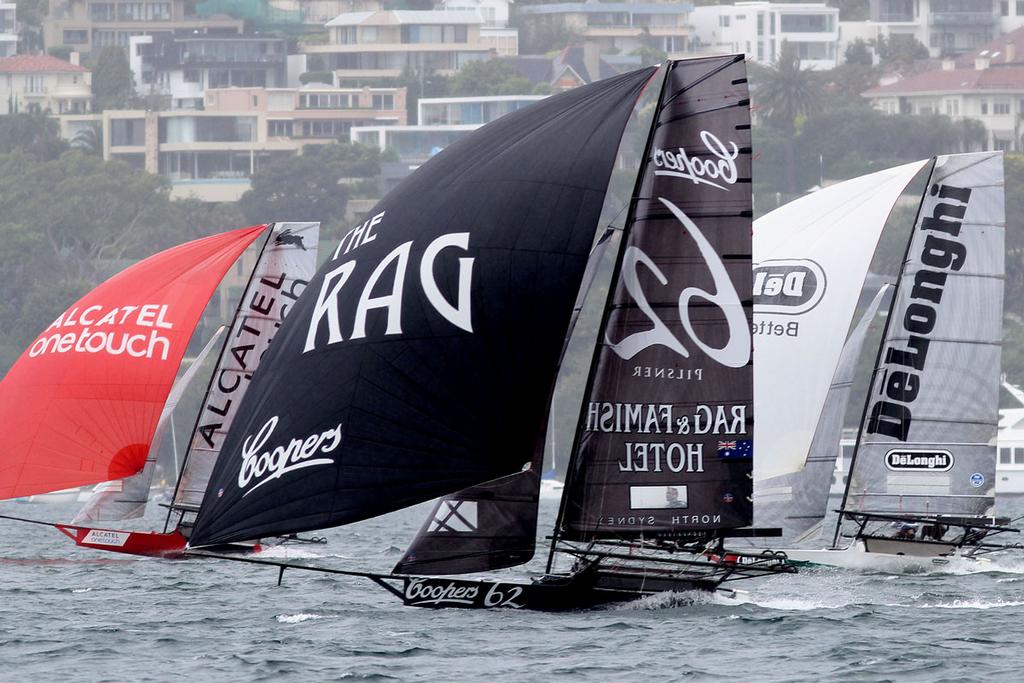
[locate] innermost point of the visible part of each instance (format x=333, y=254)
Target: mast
x=605, y=313
x=173, y=507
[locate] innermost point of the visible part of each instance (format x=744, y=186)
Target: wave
x=297, y=618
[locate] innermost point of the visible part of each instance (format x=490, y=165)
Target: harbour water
x=68, y=614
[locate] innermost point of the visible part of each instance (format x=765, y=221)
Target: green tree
x=313, y=186
x=89, y=139
x=488, y=77
x=541, y=34
x=858, y=52
x=783, y=93
x=112, y=84
x=35, y=134
x=900, y=50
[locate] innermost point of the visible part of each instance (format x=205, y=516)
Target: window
x=191, y=75
x=723, y=21
x=760, y=25
x=1000, y=107
x=383, y=101
x=1018, y=456
x=952, y=108
x=76, y=37
x=1019, y=8
x=279, y=129
x=102, y=11
x=127, y=132
x=1004, y=8
x=1004, y=456
x=34, y=84
x=984, y=107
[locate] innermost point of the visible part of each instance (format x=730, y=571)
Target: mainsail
x=82, y=402
x=664, y=444
x=284, y=268
x=927, y=441
x=421, y=357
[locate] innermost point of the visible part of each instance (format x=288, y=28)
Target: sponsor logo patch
x=904, y=460
x=788, y=286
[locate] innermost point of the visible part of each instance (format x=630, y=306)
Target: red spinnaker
x=82, y=402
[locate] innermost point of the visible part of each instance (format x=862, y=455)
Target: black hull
x=552, y=593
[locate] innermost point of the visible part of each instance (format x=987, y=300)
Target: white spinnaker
x=121, y=499
x=830, y=237
x=797, y=502
x=284, y=268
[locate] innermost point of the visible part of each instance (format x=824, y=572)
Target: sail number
x=735, y=353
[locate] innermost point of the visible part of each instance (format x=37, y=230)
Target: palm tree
x=784, y=93
x=90, y=139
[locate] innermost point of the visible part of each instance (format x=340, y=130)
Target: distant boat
x=423, y=363
x=921, y=484
x=99, y=420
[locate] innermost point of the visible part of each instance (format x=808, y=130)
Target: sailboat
x=921, y=487
x=812, y=258
x=92, y=411
x=422, y=358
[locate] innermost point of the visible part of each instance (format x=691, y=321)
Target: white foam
x=974, y=604
x=284, y=552
x=296, y=618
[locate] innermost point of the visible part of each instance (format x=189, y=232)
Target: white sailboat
x=920, y=490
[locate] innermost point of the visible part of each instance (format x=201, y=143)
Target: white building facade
x=8, y=29
x=759, y=30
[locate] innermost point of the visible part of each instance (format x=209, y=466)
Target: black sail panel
x=485, y=527
x=665, y=442
x=419, y=359
x=494, y=524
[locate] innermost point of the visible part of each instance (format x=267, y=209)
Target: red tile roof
x=996, y=51
x=956, y=80
x=37, y=64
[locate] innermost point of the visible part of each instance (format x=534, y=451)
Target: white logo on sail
x=455, y=516
x=735, y=353
x=701, y=171
x=267, y=465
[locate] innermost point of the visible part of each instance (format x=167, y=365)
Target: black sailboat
x=421, y=360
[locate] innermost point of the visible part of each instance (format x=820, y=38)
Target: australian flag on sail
x=744, y=448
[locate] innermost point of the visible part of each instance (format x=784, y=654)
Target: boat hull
x=901, y=557
x=551, y=593
x=146, y=543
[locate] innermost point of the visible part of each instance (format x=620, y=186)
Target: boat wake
x=284, y=552
x=297, y=618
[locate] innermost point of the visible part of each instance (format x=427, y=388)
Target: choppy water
x=68, y=614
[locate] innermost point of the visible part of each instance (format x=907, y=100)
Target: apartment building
x=88, y=25
x=8, y=29
x=450, y=111
x=45, y=84
x=442, y=121
x=990, y=90
x=495, y=31
x=182, y=68
x=212, y=153
x=617, y=26
x=946, y=27
x=759, y=29
x=368, y=45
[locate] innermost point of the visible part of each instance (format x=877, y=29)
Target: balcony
x=962, y=19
